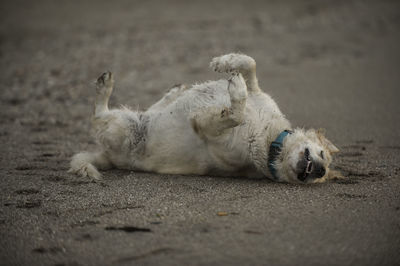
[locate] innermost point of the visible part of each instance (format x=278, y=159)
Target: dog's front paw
x=232, y=62
x=105, y=82
x=220, y=64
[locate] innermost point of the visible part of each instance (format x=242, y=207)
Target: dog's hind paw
x=87, y=170
x=105, y=82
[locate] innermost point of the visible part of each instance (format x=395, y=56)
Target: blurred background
x=329, y=64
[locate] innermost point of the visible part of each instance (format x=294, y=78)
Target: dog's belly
x=173, y=147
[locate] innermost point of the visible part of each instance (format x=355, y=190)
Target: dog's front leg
x=213, y=121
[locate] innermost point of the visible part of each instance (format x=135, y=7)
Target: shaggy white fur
x=220, y=127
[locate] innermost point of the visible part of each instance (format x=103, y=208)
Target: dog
x=228, y=127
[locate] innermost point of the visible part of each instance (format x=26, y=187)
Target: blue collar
x=274, y=151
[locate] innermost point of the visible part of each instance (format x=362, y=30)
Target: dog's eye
x=322, y=154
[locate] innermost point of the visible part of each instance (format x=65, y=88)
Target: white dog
x=226, y=127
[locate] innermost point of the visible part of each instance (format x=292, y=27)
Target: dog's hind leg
x=104, y=87
x=238, y=63
x=86, y=164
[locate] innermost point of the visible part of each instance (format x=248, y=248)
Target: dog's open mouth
x=307, y=166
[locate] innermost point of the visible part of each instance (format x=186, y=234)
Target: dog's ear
x=329, y=145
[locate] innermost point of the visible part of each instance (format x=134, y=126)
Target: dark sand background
x=330, y=64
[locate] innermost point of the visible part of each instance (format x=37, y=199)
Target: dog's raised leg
x=238, y=63
x=86, y=164
x=104, y=88
x=213, y=120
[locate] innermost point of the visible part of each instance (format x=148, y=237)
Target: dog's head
x=305, y=157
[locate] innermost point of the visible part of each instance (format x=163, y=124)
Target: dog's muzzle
x=309, y=168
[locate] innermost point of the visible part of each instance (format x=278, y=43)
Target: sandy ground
x=329, y=64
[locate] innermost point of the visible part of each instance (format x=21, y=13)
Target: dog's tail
x=238, y=63
x=104, y=87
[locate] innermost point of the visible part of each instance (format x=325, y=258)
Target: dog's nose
x=320, y=172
